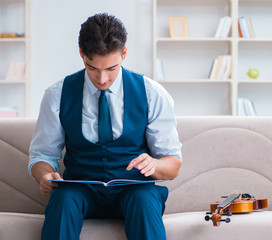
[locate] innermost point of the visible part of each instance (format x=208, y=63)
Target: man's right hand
x=46, y=186
x=43, y=172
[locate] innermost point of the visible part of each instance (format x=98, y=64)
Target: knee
x=144, y=197
x=63, y=195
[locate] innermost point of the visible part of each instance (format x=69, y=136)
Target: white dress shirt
x=48, y=138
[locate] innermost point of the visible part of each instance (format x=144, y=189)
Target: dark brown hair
x=102, y=34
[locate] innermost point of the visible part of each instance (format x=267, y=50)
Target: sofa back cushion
x=19, y=192
x=221, y=155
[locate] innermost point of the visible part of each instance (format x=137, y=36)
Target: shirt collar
x=114, y=88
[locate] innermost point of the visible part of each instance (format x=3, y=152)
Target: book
x=244, y=27
x=240, y=29
x=226, y=27
x=245, y=107
x=213, y=68
x=249, y=107
x=111, y=183
x=228, y=69
x=218, y=67
x=250, y=27
x=219, y=27
x=240, y=107
x=221, y=68
x=16, y=71
x=223, y=27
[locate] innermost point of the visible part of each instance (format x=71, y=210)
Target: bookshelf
x=187, y=61
x=15, y=51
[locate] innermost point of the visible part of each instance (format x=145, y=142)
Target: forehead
x=103, y=60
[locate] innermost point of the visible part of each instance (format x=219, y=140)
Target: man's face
x=103, y=70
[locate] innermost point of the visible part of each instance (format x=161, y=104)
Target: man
x=137, y=141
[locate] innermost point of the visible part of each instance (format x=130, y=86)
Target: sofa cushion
x=192, y=226
x=189, y=226
x=21, y=226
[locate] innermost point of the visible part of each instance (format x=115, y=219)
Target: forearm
x=166, y=168
x=40, y=169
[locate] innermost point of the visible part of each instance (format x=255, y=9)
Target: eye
x=91, y=69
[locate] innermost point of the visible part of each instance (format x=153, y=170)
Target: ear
x=124, y=54
x=80, y=52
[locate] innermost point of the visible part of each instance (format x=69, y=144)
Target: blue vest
x=91, y=161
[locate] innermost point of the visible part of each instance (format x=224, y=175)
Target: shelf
x=255, y=81
x=12, y=82
x=194, y=81
x=15, y=18
x=196, y=39
x=186, y=62
x=254, y=40
x=254, y=1
x=8, y=40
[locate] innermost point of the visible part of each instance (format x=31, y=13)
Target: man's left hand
x=144, y=163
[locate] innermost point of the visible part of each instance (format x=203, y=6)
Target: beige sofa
x=221, y=154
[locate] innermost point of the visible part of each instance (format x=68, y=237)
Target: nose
x=102, y=77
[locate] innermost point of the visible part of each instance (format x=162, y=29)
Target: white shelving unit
x=14, y=18
x=187, y=61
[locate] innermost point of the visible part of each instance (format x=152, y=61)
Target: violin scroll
x=217, y=218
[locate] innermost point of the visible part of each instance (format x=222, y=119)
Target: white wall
x=54, y=33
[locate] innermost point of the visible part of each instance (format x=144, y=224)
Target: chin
x=103, y=86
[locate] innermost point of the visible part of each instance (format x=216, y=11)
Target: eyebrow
x=106, y=68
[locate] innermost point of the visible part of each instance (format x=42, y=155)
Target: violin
x=234, y=203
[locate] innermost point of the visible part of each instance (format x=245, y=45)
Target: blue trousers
x=141, y=206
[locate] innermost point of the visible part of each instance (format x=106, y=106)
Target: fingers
x=56, y=176
x=144, y=163
x=46, y=189
x=46, y=186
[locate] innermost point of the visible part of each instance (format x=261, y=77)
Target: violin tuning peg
x=227, y=220
x=209, y=213
x=207, y=218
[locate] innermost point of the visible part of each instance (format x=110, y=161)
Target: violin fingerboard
x=228, y=201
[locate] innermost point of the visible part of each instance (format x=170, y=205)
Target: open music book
x=111, y=183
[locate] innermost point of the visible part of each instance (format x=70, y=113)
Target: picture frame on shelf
x=178, y=27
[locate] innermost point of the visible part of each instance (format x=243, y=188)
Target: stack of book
x=221, y=68
x=223, y=27
x=245, y=107
x=8, y=112
x=245, y=27
x=16, y=71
